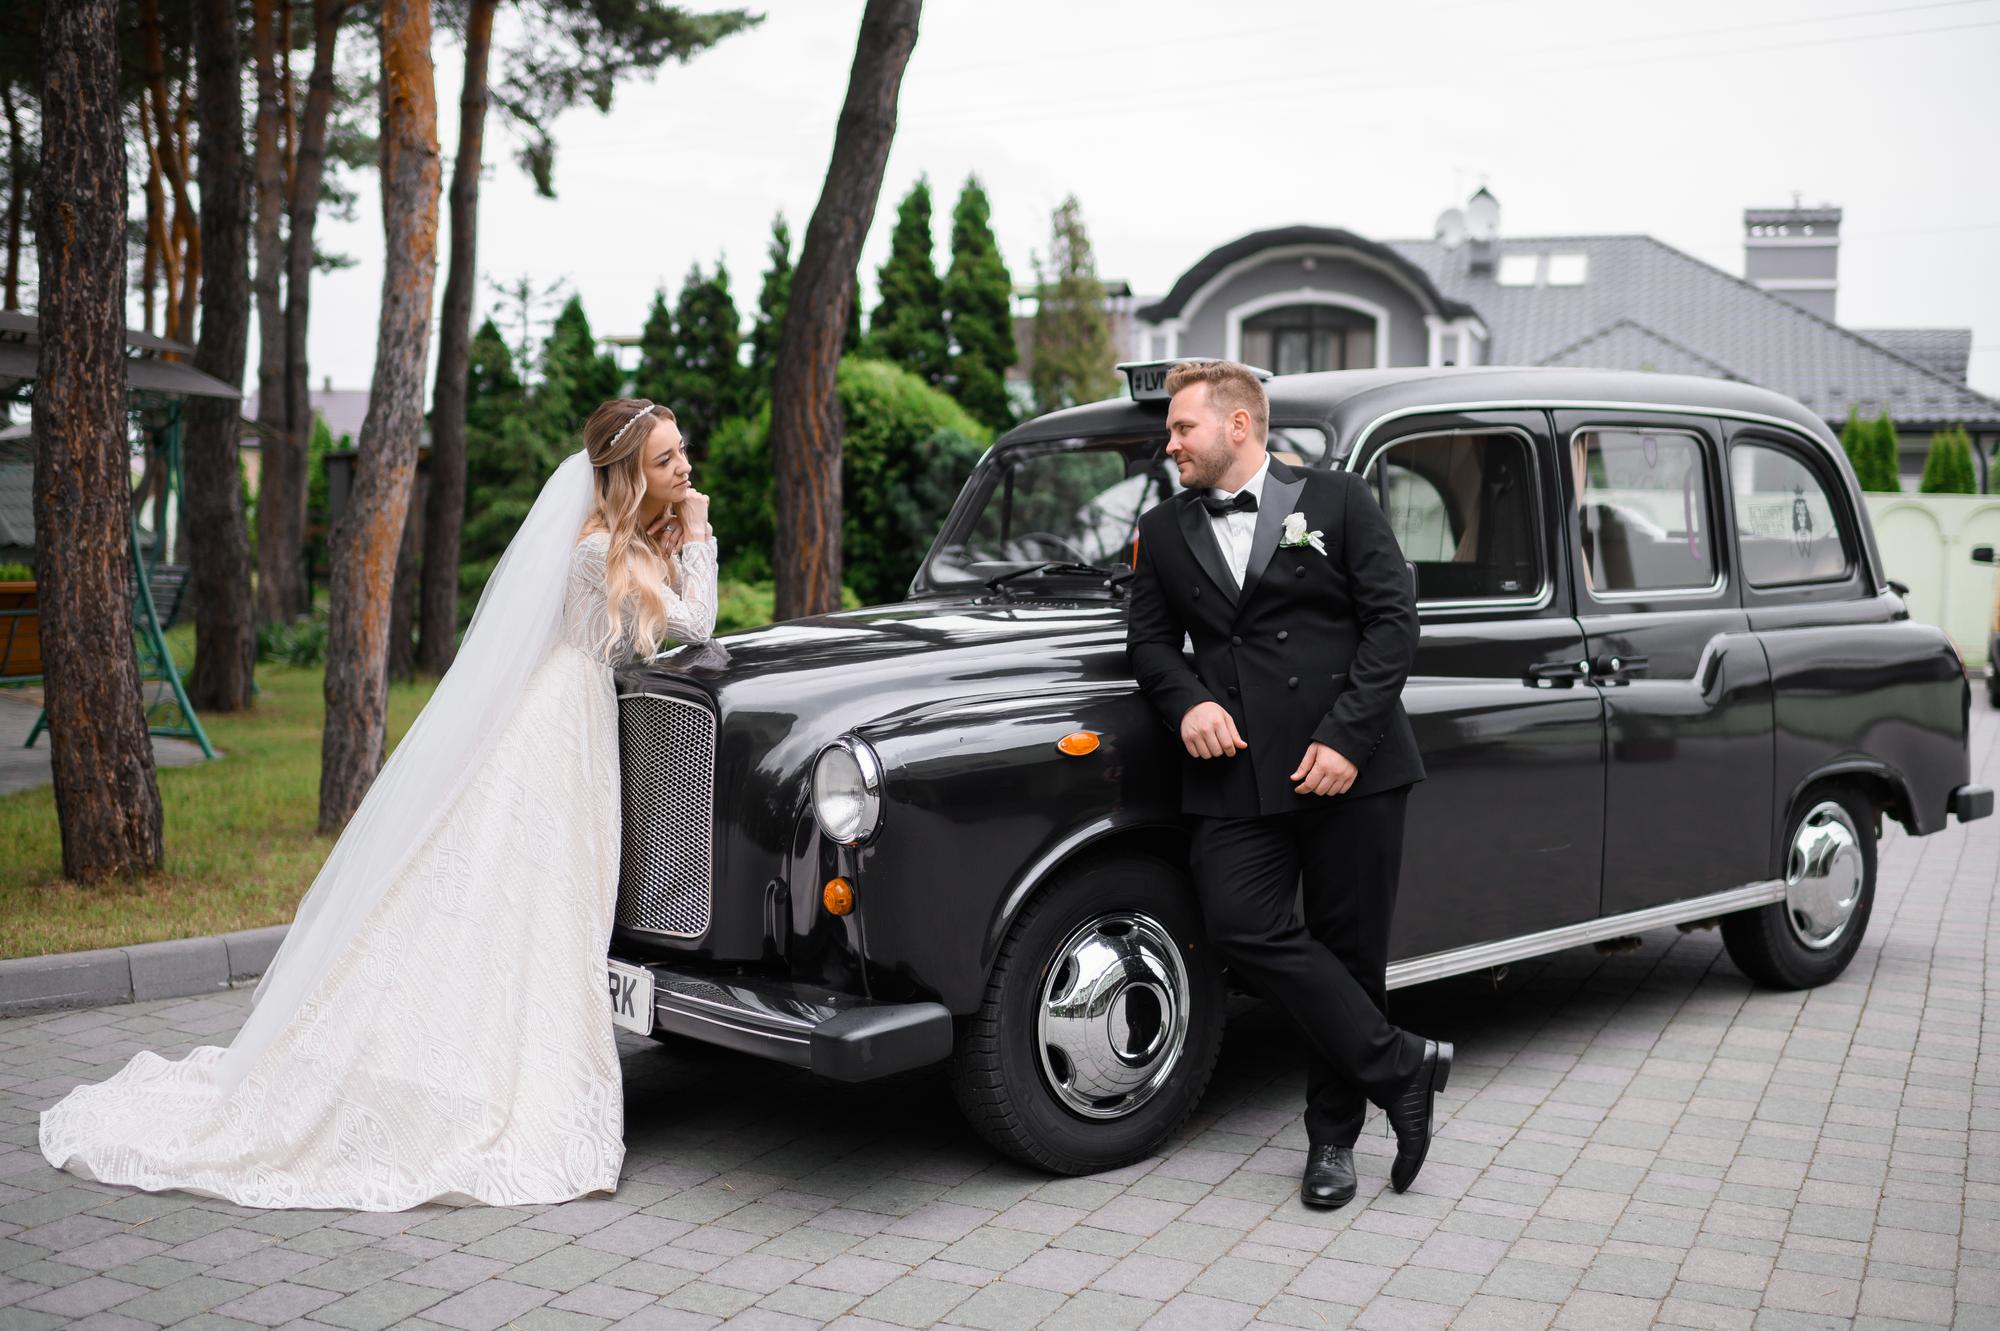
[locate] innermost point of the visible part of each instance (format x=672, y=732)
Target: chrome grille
x=667, y=750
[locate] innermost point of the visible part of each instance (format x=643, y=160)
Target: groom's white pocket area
x=631, y=998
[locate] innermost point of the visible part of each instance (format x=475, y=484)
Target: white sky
x=1181, y=126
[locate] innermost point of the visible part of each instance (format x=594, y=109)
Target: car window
x=1786, y=524
x=1077, y=500
x=1462, y=505
x=1642, y=520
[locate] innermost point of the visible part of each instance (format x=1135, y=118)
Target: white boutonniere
x=1296, y=534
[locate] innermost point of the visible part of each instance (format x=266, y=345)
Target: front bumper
x=1970, y=802
x=832, y=1034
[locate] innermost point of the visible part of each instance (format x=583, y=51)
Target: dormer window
x=1566, y=270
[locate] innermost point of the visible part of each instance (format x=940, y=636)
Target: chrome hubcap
x=1113, y=1015
x=1823, y=876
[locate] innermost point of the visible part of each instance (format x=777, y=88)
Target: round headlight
x=847, y=785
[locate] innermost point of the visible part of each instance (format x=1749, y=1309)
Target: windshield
x=1071, y=501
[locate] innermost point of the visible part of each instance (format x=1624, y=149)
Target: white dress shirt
x=1233, y=531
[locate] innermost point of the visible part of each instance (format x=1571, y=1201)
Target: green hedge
x=908, y=450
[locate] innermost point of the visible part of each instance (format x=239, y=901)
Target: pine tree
x=1940, y=465
x=772, y=301
x=576, y=376
x=656, y=350
x=1888, y=462
x=978, y=302
x=701, y=377
x=1854, y=438
x=908, y=326
x=1073, y=360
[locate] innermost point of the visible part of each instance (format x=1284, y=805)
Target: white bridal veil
x=515, y=624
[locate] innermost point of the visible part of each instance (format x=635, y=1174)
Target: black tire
x=997, y=1070
x=1766, y=943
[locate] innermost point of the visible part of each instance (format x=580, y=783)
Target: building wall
x=1318, y=276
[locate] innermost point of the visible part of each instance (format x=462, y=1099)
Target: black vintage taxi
x=1663, y=679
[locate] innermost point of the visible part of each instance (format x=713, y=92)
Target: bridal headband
x=637, y=416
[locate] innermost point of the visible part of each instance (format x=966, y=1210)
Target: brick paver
x=1631, y=1140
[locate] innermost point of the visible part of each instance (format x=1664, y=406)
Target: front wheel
x=1100, y=1024
x=1809, y=937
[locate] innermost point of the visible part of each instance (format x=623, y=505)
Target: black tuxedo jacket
x=1312, y=647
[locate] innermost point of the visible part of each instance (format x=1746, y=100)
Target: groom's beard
x=1205, y=469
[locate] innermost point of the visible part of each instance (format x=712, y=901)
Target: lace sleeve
x=691, y=611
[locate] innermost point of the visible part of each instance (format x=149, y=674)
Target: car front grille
x=667, y=751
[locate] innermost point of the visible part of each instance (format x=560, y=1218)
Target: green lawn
x=240, y=846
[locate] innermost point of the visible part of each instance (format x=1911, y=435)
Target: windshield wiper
x=1063, y=567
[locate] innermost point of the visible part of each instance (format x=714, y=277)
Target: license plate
x=631, y=998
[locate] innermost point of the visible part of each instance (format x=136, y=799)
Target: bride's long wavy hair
x=635, y=568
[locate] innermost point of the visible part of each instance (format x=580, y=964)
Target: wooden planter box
x=20, y=631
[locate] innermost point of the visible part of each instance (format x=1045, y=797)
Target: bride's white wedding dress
x=460, y=1048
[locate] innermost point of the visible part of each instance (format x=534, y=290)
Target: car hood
x=783, y=692
x=874, y=662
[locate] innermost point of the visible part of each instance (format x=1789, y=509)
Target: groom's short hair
x=1231, y=386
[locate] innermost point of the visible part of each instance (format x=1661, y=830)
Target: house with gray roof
x=1301, y=298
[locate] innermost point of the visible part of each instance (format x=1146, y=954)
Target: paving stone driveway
x=1633, y=1140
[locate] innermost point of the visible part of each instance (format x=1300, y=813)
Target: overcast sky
x=1181, y=126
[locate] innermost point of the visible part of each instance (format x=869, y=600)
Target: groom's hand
x=1323, y=771
x=1209, y=731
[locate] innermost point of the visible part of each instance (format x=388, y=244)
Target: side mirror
x=1900, y=588
x=1411, y=565
x=1982, y=554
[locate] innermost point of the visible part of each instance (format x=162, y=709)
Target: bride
x=435, y=1025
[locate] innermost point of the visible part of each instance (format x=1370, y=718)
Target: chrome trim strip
x=1480, y=956
x=1552, y=404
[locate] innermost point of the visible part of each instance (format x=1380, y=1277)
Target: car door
x=1686, y=687
x=1504, y=837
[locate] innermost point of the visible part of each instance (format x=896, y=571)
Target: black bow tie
x=1242, y=502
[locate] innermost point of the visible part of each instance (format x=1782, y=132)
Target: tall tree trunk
x=366, y=539
x=157, y=265
x=107, y=797
x=444, y=504
x=806, y=427
x=402, y=658
x=225, y=636
x=182, y=247
x=17, y=196
x=272, y=476
x=286, y=491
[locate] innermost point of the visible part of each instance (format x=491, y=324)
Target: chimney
x=1482, y=232
x=1794, y=253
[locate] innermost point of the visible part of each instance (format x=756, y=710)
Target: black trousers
x=1325, y=973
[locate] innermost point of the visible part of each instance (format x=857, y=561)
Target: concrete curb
x=177, y=968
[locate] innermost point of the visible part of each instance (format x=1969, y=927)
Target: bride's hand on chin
x=694, y=511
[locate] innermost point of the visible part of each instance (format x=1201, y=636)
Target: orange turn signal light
x=838, y=896
x=1078, y=744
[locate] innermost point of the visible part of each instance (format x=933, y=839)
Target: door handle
x=1609, y=669
x=1557, y=674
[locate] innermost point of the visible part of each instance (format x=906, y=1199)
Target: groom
x=1300, y=756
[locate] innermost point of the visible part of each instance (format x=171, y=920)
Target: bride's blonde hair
x=634, y=569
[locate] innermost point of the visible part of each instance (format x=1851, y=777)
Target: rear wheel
x=1100, y=1024
x=1809, y=937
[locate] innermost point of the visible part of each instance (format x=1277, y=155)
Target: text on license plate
x=631, y=997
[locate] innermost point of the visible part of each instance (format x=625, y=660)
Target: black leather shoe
x=1329, y=1180
x=1410, y=1113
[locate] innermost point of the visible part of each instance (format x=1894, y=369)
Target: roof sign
x=1148, y=378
